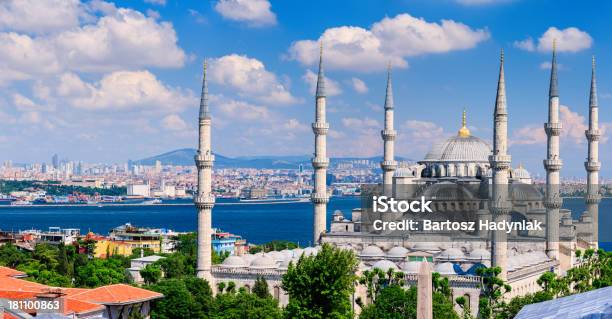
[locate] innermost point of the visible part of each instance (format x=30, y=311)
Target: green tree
x=244, y=305
x=200, y=291
x=98, y=272
x=178, y=302
x=492, y=290
x=11, y=256
x=392, y=302
x=320, y=286
x=260, y=288
x=151, y=274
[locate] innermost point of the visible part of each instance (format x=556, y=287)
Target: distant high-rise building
x=158, y=167
x=55, y=161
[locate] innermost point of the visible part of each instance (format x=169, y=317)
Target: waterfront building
x=139, y=190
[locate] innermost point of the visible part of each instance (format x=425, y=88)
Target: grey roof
x=321, y=76
x=389, y=94
x=554, y=91
x=500, y=99
x=593, y=96
x=204, y=112
x=466, y=149
x=595, y=304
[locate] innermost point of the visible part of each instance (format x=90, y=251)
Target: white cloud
x=424, y=131
x=173, y=122
x=389, y=40
x=123, y=39
x=332, y=87
x=21, y=57
x=156, y=2
x=568, y=40
x=123, y=90
x=357, y=123
x=359, y=86
x=241, y=111
x=526, y=44
x=256, y=13
x=574, y=126
x=250, y=78
x=40, y=16
x=23, y=103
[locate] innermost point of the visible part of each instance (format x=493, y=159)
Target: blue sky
x=110, y=81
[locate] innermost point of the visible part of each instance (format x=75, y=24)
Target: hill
x=185, y=157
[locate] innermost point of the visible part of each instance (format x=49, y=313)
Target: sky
x=110, y=81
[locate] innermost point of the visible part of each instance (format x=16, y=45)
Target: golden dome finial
x=464, y=131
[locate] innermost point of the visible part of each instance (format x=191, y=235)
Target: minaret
x=592, y=164
x=320, y=161
x=388, y=134
x=500, y=164
x=553, y=164
x=204, y=200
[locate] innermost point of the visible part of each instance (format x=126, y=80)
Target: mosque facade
x=454, y=172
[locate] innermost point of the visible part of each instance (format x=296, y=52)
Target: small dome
x=451, y=253
x=480, y=254
x=424, y=246
x=297, y=252
x=287, y=253
x=397, y=252
x=248, y=258
x=233, y=262
x=384, y=265
x=445, y=269
x=263, y=262
x=337, y=213
x=372, y=251
x=276, y=255
x=411, y=267
x=520, y=173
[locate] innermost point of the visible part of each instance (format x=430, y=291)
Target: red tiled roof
x=117, y=294
x=77, y=300
x=9, y=272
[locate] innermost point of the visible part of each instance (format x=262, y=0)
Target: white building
x=138, y=190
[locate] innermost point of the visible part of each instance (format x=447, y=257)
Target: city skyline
x=136, y=94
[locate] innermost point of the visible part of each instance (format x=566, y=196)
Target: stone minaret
x=592, y=164
x=500, y=164
x=553, y=164
x=204, y=200
x=320, y=161
x=388, y=134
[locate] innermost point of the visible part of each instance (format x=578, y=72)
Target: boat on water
x=21, y=203
x=152, y=201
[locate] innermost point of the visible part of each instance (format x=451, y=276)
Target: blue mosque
x=468, y=177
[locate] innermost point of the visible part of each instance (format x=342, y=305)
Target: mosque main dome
x=462, y=155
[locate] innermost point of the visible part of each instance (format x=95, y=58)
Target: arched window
x=276, y=292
